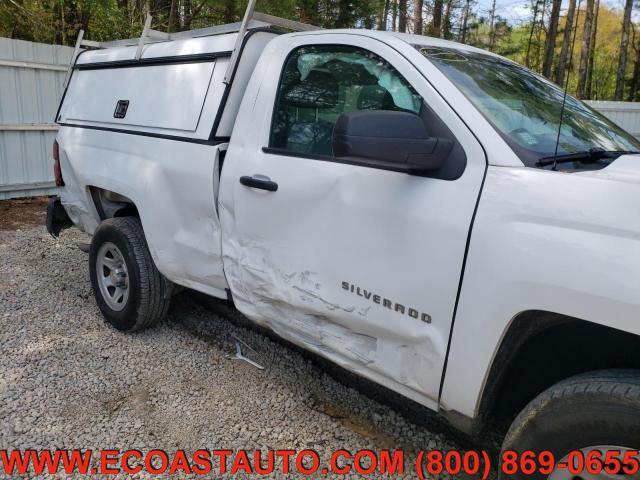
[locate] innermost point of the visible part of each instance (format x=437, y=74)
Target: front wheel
x=598, y=411
x=130, y=291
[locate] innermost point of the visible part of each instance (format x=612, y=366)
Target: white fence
x=625, y=114
x=31, y=76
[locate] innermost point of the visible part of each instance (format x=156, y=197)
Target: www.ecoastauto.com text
x=426, y=463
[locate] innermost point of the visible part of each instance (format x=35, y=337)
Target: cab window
x=320, y=82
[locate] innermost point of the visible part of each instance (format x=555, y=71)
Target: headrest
x=348, y=73
x=375, y=97
x=318, y=90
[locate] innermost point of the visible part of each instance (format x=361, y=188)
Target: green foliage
x=58, y=21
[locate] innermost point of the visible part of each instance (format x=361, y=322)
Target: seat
x=310, y=137
x=319, y=91
x=375, y=97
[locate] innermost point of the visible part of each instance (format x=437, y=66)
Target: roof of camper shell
x=224, y=44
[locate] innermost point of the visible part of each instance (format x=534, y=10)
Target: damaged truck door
x=350, y=248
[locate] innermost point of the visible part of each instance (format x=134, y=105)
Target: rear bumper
x=57, y=218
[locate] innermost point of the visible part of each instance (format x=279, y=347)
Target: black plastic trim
x=359, y=162
x=97, y=202
x=464, y=264
x=152, y=62
x=228, y=86
x=144, y=134
x=259, y=183
x=57, y=218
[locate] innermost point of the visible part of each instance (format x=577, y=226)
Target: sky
x=519, y=11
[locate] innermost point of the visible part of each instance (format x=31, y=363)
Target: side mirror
x=395, y=140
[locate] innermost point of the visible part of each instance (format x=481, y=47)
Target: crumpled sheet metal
x=296, y=307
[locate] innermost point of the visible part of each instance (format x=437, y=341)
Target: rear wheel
x=130, y=291
x=598, y=411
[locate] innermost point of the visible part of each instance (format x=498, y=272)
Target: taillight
x=57, y=172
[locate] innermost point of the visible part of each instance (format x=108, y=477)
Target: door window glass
x=320, y=82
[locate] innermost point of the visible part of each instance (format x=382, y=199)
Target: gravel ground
x=69, y=380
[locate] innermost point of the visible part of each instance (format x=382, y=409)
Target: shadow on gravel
x=410, y=410
x=358, y=415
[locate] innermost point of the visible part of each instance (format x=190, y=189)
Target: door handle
x=259, y=181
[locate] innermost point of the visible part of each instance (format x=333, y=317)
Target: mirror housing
x=389, y=139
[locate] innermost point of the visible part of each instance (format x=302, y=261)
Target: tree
x=563, y=59
x=345, y=14
x=492, y=27
x=394, y=17
x=417, y=16
x=539, y=31
x=229, y=15
x=536, y=6
x=435, y=28
x=402, y=15
x=635, y=80
x=446, y=22
x=464, y=21
x=592, y=53
x=550, y=41
x=585, y=50
x=384, y=14
x=624, y=46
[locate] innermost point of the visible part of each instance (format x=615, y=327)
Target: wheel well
x=128, y=210
x=543, y=348
x=111, y=204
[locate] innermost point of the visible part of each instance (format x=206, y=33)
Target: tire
x=138, y=297
x=600, y=408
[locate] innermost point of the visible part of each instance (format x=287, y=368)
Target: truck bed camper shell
x=175, y=85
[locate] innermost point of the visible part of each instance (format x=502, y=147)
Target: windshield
x=525, y=109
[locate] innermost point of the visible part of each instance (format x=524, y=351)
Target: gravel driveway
x=68, y=380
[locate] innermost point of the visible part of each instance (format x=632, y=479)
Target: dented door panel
x=357, y=264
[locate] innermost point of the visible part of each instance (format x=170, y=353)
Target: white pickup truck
x=430, y=216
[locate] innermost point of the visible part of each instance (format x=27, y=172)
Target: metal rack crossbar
x=250, y=21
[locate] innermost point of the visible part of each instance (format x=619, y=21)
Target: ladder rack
x=250, y=21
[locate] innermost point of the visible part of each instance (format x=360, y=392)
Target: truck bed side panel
x=172, y=186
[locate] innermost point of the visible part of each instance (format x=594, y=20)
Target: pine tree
x=464, y=21
x=592, y=53
x=402, y=15
x=492, y=26
x=624, y=46
x=563, y=58
x=586, y=49
x=435, y=29
x=550, y=41
x=417, y=16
